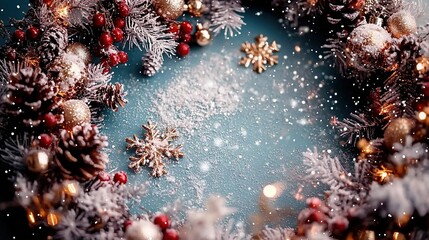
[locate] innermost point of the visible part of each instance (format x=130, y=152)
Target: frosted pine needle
x=153, y=149
x=259, y=54
x=225, y=17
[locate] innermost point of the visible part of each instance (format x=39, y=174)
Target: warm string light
x=422, y=65
x=63, y=12
x=383, y=174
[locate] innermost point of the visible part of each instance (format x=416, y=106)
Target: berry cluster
x=163, y=222
x=183, y=34
x=120, y=177
x=110, y=33
x=31, y=34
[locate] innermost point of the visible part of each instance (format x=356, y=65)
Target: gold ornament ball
x=365, y=45
x=37, y=161
x=402, y=23
x=76, y=112
x=169, y=9
x=203, y=36
x=397, y=131
x=80, y=51
x=195, y=7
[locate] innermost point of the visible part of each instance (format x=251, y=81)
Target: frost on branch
x=225, y=16
x=345, y=189
x=144, y=31
x=153, y=149
x=408, y=152
x=13, y=151
x=358, y=126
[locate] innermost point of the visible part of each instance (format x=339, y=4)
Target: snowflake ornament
x=152, y=150
x=260, y=54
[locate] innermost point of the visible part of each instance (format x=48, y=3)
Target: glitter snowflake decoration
x=153, y=149
x=260, y=54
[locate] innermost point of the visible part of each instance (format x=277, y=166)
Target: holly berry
x=174, y=28
x=45, y=140
x=119, y=22
x=123, y=9
x=123, y=57
x=104, y=61
x=99, y=20
x=49, y=120
x=103, y=176
x=117, y=34
x=33, y=33
x=11, y=55
x=186, y=37
x=170, y=234
x=183, y=49
x=114, y=59
x=162, y=221
x=120, y=177
x=314, y=203
x=316, y=216
x=47, y=2
x=186, y=27
x=19, y=35
x=105, y=39
x=127, y=223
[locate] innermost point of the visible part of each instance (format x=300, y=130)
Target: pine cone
x=79, y=153
x=342, y=12
x=404, y=52
x=53, y=44
x=113, y=95
x=152, y=62
x=30, y=94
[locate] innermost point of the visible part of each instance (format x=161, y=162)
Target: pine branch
x=13, y=151
x=357, y=127
x=225, y=16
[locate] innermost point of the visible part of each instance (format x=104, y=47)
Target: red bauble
x=162, y=221
x=186, y=27
x=119, y=22
x=123, y=57
x=103, y=176
x=127, y=223
x=99, y=20
x=117, y=34
x=50, y=120
x=11, y=55
x=170, y=234
x=120, y=177
x=33, y=33
x=19, y=35
x=314, y=203
x=183, y=49
x=114, y=59
x=45, y=140
x=105, y=39
x=186, y=37
x=123, y=10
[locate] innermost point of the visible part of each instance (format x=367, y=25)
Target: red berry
x=103, y=176
x=33, y=33
x=99, y=20
x=47, y=2
x=170, y=234
x=19, y=35
x=119, y=22
x=120, y=177
x=117, y=34
x=174, y=28
x=339, y=225
x=123, y=57
x=98, y=51
x=314, y=203
x=114, y=59
x=186, y=27
x=123, y=10
x=183, y=49
x=316, y=216
x=127, y=223
x=162, y=221
x=105, y=39
x=11, y=55
x=49, y=120
x=45, y=140
x=186, y=37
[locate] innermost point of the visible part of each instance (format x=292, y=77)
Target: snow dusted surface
x=240, y=130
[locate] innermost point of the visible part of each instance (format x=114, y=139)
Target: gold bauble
x=169, y=9
x=76, y=112
x=195, y=7
x=37, y=161
x=366, y=44
x=80, y=51
x=203, y=36
x=397, y=131
x=402, y=23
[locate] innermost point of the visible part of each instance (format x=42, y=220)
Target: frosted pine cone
x=403, y=52
x=30, y=94
x=152, y=62
x=53, y=44
x=113, y=95
x=79, y=153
